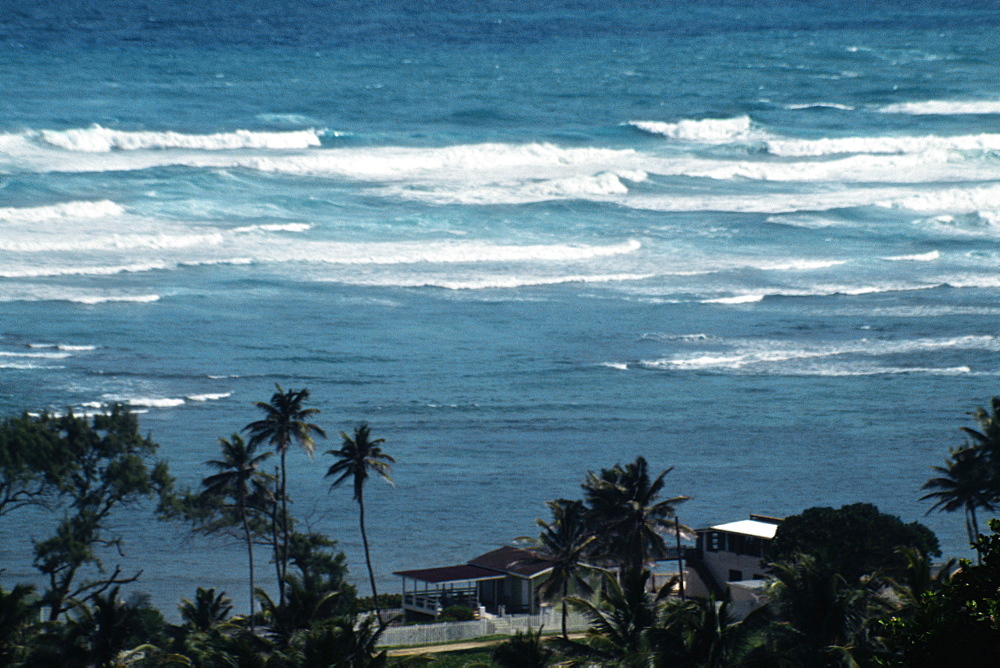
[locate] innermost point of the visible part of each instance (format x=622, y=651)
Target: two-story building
x=729, y=558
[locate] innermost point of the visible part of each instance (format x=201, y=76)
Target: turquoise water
x=756, y=242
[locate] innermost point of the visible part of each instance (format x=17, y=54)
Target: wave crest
x=64, y=211
x=705, y=131
x=97, y=139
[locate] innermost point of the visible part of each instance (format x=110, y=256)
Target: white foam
x=105, y=299
x=55, y=356
x=24, y=366
x=833, y=290
x=615, y=365
x=950, y=200
x=97, y=241
x=805, y=221
x=780, y=357
x=145, y=402
x=459, y=161
x=690, y=338
x=208, y=397
x=274, y=227
x=97, y=139
x=961, y=199
x=81, y=210
x=944, y=107
x=799, y=148
x=576, y=187
x=445, y=252
x=103, y=270
x=749, y=298
x=925, y=167
x=800, y=265
x=705, y=131
x=919, y=257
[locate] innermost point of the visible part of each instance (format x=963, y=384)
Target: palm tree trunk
x=246, y=531
x=274, y=543
x=972, y=526
x=283, y=557
x=565, y=592
x=368, y=558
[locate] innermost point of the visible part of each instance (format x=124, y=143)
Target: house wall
x=731, y=557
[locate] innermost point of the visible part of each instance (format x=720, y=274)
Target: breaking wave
x=943, y=107
x=706, y=131
x=58, y=212
x=97, y=139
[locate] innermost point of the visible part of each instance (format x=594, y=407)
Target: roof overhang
x=749, y=528
x=446, y=574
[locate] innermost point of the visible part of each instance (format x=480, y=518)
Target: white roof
x=749, y=528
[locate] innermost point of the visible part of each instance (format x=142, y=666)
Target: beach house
x=729, y=559
x=502, y=581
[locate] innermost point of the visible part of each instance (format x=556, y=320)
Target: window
x=735, y=575
x=715, y=541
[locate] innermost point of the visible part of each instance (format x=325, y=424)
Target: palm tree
x=622, y=619
x=342, y=642
x=239, y=478
x=285, y=422
x=967, y=483
x=705, y=632
x=100, y=633
x=563, y=544
x=207, y=610
x=523, y=650
x=18, y=610
x=357, y=458
x=822, y=614
x=626, y=511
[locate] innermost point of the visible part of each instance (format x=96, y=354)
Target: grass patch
x=456, y=659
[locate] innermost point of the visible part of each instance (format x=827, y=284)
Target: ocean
x=753, y=241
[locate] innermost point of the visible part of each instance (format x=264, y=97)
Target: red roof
x=463, y=573
x=513, y=560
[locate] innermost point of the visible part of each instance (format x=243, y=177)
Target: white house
x=729, y=558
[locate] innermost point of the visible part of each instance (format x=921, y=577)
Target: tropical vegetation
x=848, y=586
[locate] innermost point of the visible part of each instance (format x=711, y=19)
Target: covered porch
x=428, y=591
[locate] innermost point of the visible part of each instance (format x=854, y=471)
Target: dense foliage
x=853, y=540
x=848, y=587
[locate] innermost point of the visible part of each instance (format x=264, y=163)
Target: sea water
x=754, y=241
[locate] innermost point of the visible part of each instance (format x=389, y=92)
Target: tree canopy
x=854, y=540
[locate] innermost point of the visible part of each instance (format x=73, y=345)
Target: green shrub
x=456, y=613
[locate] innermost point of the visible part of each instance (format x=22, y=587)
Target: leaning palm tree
x=987, y=436
x=966, y=483
x=358, y=457
x=240, y=479
x=285, y=422
x=626, y=511
x=563, y=544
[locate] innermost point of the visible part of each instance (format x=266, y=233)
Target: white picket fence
x=444, y=632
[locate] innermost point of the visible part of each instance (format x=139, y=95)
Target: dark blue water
x=755, y=242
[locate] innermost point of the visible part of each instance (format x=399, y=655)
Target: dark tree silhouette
x=358, y=457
